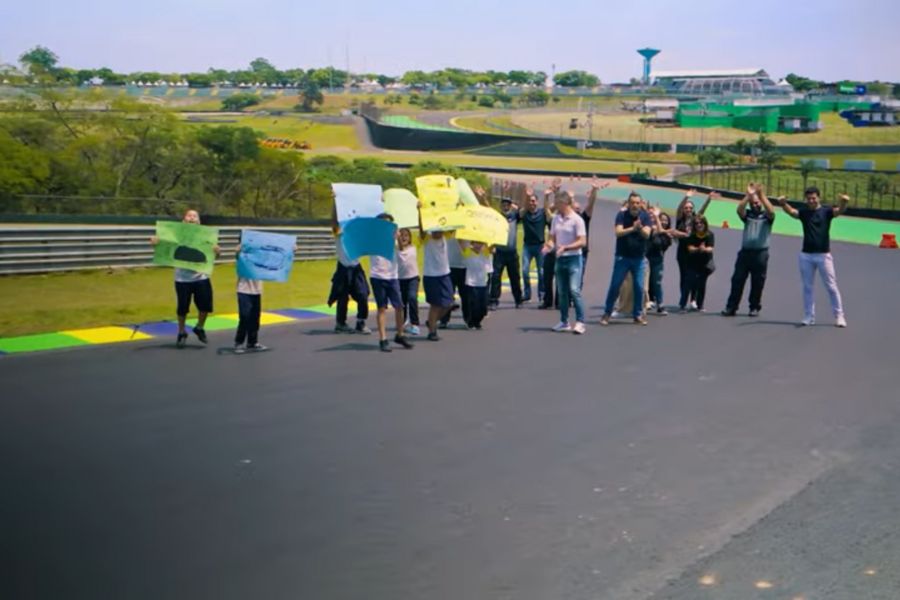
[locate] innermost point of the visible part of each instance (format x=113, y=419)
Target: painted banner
x=483, y=224
x=352, y=200
x=402, y=204
x=466, y=195
x=366, y=237
x=265, y=256
x=185, y=246
x=440, y=199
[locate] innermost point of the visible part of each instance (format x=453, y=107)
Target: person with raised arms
x=567, y=238
x=816, y=252
x=632, y=229
x=435, y=277
x=506, y=257
x=348, y=281
x=753, y=257
x=534, y=220
x=684, y=221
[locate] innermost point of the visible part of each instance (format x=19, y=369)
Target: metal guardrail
x=45, y=249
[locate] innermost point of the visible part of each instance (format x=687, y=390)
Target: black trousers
x=550, y=296
x=697, y=278
x=409, y=295
x=249, y=309
x=684, y=280
x=477, y=300
x=458, y=278
x=506, y=259
x=752, y=263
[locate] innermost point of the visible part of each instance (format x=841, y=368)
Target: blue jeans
x=656, y=277
x=622, y=265
x=532, y=252
x=568, y=285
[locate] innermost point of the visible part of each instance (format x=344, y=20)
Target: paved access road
x=698, y=457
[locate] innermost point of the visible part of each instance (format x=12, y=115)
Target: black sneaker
x=401, y=339
x=519, y=304
x=181, y=341
x=342, y=328
x=200, y=333
x=478, y=327
x=493, y=307
x=442, y=325
x=433, y=336
x=384, y=346
x=753, y=313
x=728, y=312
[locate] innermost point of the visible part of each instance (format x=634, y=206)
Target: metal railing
x=45, y=249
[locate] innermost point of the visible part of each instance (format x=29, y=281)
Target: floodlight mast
x=648, y=54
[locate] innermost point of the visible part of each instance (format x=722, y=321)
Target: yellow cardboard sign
x=483, y=224
x=440, y=198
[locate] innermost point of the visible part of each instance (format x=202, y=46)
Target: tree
x=576, y=79
x=502, y=97
x=486, y=101
x=769, y=158
x=878, y=88
x=238, y=102
x=741, y=148
x=878, y=184
x=803, y=84
x=39, y=61
x=431, y=102
x=535, y=98
x=310, y=96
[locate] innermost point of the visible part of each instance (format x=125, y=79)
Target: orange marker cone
x=888, y=240
x=725, y=225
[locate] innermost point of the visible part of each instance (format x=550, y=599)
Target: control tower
x=648, y=54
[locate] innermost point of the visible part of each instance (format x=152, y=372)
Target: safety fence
x=45, y=249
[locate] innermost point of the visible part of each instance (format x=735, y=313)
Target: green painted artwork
x=185, y=246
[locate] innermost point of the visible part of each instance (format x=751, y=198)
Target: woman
x=684, y=220
x=700, y=264
x=660, y=240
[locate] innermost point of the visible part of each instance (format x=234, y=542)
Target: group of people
x=556, y=242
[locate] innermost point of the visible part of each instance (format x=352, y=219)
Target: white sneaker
x=840, y=321
x=693, y=305
x=617, y=315
x=579, y=328
x=807, y=321
x=562, y=326
x=650, y=306
x=412, y=330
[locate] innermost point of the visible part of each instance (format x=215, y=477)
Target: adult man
x=632, y=229
x=534, y=224
x=816, y=252
x=753, y=257
x=507, y=257
x=567, y=238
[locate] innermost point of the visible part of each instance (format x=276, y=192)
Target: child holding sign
x=436, y=278
x=191, y=285
x=386, y=289
x=408, y=271
x=348, y=281
x=477, y=258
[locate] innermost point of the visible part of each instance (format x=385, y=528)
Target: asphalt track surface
x=698, y=457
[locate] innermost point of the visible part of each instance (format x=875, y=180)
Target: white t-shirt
x=436, y=262
x=454, y=254
x=187, y=276
x=567, y=230
x=249, y=286
x=408, y=262
x=478, y=268
x=342, y=254
x=382, y=268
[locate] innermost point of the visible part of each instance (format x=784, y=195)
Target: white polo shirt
x=567, y=230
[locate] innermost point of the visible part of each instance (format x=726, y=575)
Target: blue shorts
x=438, y=290
x=386, y=291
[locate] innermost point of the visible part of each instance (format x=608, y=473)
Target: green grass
x=411, y=123
x=319, y=135
x=59, y=301
x=883, y=162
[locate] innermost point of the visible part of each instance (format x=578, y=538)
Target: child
x=700, y=245
x=436, y=278
x=191, y=284
x=348, y=281
x=478, y=261
x=386, y=289
x=249, y=297
x=408, y=271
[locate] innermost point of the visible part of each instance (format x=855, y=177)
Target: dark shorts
x=200, y=291
x=386, y=291
x=438, y=290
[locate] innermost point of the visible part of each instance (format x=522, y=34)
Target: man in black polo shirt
x=753, y=257
x=535, y=221
x=633, y=227
x=507, y=257
x=816, y=253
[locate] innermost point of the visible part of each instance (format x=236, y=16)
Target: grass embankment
x=59, y=301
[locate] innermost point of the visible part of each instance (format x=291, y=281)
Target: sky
x=827, y=39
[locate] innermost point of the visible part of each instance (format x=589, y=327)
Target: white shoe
x=650, y=306
x=693, y=305
x=579, y=328
x=840, y=321
x=617, y=315
x=562, y=326
x=807, y=321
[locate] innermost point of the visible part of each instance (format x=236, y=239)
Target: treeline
x=140, y=159
x=41, y=62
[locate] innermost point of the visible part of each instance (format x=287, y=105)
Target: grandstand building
x=741, y=82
